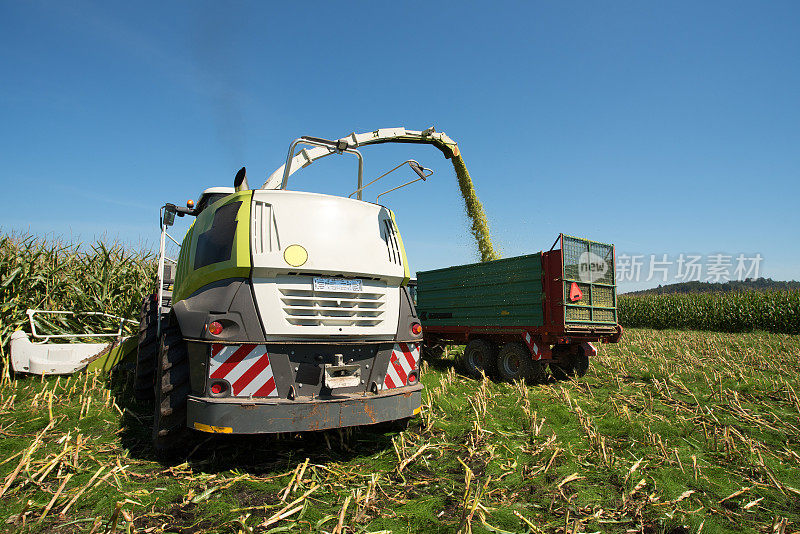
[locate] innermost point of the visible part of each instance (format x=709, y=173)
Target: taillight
x=218, y=388
x=413, y=378
x=215, y=328
x=416, y=329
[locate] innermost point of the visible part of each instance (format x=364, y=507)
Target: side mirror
x=169, y=217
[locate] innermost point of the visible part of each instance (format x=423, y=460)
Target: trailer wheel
x=432, y=351
x=580, y=362
x=479, y=355
x=171, y=390
x=514, y=362
x=147, y=350
x=571, y=361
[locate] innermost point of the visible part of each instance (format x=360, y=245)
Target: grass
x=670, y=431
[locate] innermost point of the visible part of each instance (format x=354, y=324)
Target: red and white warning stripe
x=589, y=350
x=404, y=359
x=536, y=351
x=245, y=367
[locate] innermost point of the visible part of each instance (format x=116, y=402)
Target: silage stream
x=480, y=226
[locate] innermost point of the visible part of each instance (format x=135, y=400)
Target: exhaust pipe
x=240, y=181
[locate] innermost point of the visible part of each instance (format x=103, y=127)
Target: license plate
x=337, y=284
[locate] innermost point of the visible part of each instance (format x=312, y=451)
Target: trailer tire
x=171, y=390
x=571, y=361
x=144, y=378
x=432, y=351
x=479, y=356
x=514, y=362
x=580, y=363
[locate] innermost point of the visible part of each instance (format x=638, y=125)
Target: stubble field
x=670, y=431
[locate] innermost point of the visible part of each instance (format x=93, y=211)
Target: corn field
x=53, y=275
x=772, y=311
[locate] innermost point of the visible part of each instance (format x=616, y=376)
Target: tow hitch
x=341, y=375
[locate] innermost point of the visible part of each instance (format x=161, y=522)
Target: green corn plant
x=772, y=311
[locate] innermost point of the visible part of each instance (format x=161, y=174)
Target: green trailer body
x=568, y=291
x=506, y=292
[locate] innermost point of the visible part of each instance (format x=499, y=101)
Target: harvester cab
x=284, y=310
x=209, y=196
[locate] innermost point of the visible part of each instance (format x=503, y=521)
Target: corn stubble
x=668, y=429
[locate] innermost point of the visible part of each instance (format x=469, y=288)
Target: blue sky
x=667, y=128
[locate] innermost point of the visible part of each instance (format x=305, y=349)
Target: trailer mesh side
x=589, y=266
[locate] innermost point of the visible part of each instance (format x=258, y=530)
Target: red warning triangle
x=575, y=292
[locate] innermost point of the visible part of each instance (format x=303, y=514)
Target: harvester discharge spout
x=321, y=148
x=277, y=180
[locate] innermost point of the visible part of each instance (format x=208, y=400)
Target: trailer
x=518, y=316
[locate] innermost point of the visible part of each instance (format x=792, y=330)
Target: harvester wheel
x=479, y=355
x=514, y=362
x=171, y=389
x=148, y=349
